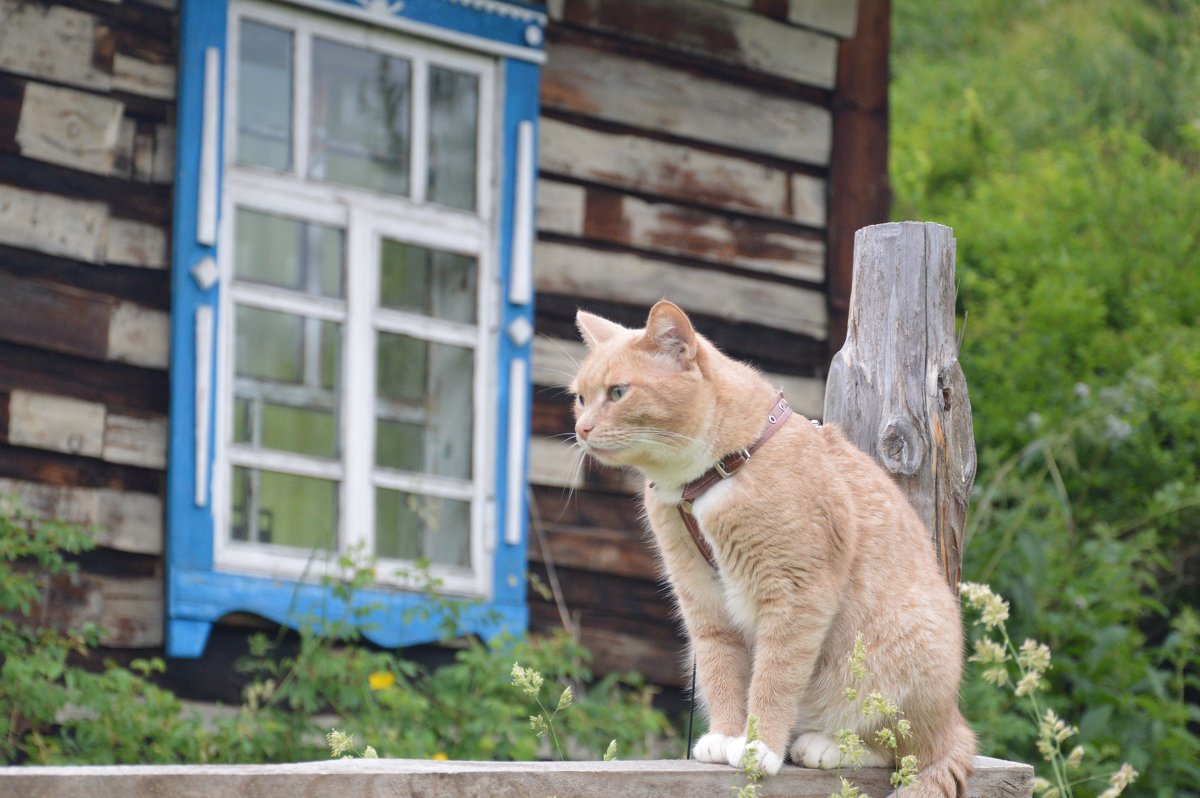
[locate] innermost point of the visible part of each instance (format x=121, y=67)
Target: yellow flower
x=440, y=756
x=381, y=680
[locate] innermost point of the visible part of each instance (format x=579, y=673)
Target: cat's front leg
x=785, y=654
x=722, y=671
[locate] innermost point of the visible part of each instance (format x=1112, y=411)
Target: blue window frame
x=352, y=311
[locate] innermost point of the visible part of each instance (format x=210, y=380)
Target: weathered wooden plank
x=598, y=550
x=617, y=88
x=584, y=590
x=71, y=128
x=125, y=521
x=713, y=32
x=144, y=286
x=896, y=387
x=128, y=611
x=559, y=464
x=834, y=16
x=64, y=319
x=601, y=214
x=658, y=658
x=560, y=207
x=770, y=349
x=679, y=172
x=130, y=388
x=67, y=470
x=555, y=362
x=670, y=778
x=56, y=423
x=593, y=274
x=136, y=440
x=53, y=224
x=134, y=243
x=148, y=79
x=163, y=168
x=139, y=336
x=55, y=43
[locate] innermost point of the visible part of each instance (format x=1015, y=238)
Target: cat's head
x=640, y=397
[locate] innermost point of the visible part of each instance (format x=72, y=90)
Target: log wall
x=86, y=164
x=693, y=149
x=686, y=151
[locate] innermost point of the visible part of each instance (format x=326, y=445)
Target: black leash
x=691, y=710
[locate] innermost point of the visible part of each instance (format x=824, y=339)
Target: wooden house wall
x=86, y=164
x=687, y=151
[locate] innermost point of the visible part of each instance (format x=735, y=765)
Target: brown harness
x=726, y=467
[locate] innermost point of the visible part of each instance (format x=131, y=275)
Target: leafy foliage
x=54, y=711
x=1061, y=142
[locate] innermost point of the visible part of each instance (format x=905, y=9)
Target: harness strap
x=724, y=468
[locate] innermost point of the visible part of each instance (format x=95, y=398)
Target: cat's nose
x=582, y=430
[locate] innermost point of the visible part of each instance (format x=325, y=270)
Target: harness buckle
x=732, y=464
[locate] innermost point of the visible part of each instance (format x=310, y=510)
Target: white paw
x=815, y=750
x=754, y=755
x=711, y=748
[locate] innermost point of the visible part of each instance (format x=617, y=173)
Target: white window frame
x=365, y=217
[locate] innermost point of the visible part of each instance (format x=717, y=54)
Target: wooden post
x=896, y=388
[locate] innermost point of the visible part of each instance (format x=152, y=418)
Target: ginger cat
x=812, y=542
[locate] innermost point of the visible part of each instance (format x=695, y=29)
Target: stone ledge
x=402, y=778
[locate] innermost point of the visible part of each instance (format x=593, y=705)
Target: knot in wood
x=901, y=446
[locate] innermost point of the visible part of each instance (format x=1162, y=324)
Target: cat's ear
x=595, y=330
x=669, y=332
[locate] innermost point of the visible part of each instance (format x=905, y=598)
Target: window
x=352, y=317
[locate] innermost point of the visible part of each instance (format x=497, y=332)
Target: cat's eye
x=579, y=398
x=617, y=391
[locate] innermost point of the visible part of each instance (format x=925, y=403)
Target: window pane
x=413, y=527
x=286, y=395
x=360, y=117
x=264, y=96
x=283, y=509
x=453, y=137
x=288, y=253
x=427, y=281
x=424, y=407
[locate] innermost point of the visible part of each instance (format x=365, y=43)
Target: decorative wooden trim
x=859, y=167
x=518, y=433
x=204, y=400
x=520, y=288
x=207, y=199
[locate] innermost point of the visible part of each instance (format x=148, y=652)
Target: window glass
x=424, y=406
x=284, y=509
x=286, y=379
x=264, y=96
x=360, y=117
x=413, y=527
x=427, y=281
x=453, y=133
x=288, y=253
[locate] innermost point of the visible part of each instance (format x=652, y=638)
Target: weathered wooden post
x=896, y=388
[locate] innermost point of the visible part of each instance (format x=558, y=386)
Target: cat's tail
x=952, y=762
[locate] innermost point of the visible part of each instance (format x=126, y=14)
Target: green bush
x=1060, y=141
x=54, y=711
